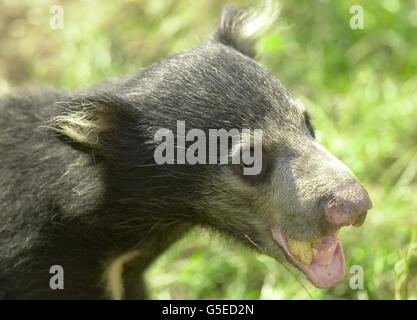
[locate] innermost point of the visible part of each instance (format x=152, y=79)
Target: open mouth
x=322, y=261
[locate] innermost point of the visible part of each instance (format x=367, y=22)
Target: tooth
x=301, y=250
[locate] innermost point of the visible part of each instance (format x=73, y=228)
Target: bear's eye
x=248, y=165
x=255, y=179
x=309, y=125
x=251, y=162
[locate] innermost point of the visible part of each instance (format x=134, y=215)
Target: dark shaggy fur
x=79, y=185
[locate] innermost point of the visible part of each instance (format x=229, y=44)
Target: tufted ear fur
x=241, y=29
x=90, y=122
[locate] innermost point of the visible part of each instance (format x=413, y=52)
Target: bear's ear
x=241, y=29
x=88, y=122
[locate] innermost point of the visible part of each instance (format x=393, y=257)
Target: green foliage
x=360, y=86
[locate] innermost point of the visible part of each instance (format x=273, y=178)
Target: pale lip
x=328, y=265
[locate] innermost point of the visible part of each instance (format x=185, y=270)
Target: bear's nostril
x=348, y=207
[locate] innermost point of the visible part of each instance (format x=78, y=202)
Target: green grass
x=360, y=85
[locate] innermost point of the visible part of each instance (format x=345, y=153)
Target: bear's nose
x=348, y=205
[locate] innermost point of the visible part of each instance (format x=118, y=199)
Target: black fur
x=116, y=198
x=82, y=202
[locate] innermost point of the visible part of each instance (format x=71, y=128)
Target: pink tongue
x=327, y=268
x=325, y=251
x=328, y=265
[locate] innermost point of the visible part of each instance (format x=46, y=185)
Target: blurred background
x=360, y=85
